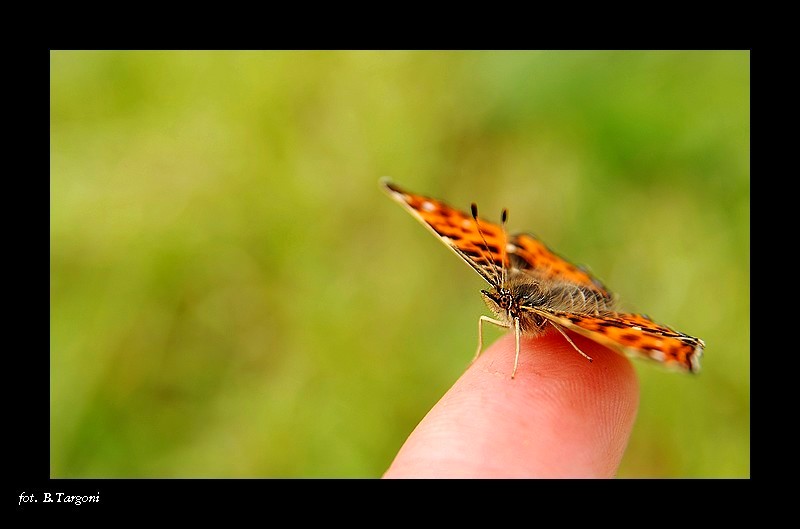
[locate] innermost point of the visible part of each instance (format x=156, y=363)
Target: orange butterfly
x=532, y=288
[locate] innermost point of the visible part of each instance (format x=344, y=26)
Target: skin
x=560, y=417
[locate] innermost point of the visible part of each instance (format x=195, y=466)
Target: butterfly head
x=514, y=299
x=503, y=302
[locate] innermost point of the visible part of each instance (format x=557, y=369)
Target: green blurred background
x=233, y=296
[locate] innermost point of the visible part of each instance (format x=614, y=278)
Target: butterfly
x=532, y=288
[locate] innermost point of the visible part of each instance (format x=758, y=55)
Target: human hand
x=560, y=417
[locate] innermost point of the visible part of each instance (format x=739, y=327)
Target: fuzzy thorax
x=522, y=296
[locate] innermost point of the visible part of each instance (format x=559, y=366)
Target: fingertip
x=560, y=416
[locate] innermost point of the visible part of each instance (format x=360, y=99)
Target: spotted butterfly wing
x=532, y=256
x=457, y=230
x=635, y=335
x=483, y=250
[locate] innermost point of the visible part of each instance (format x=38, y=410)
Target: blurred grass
x=232, y=296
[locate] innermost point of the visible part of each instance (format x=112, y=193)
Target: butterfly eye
x=492, y=296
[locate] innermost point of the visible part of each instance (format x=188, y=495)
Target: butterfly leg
x=480, y=332
x=516, y=355
x=558, y=328
x=499, y=324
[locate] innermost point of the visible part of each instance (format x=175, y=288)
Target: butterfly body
x=524, y=297
x=533, y=287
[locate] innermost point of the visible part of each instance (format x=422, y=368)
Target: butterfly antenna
x=504, y=250
x=474, y=209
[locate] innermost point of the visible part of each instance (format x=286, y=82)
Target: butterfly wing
x=457, y=230
x=635, y=335
x=532, y=256
x=631, y=334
